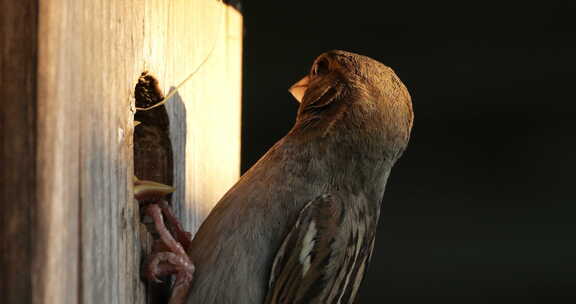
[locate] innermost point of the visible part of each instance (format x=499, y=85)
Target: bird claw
x=168, y=263
x=169, y=256
x=152, y=271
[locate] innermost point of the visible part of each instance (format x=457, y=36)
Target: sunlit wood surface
x=70, y=230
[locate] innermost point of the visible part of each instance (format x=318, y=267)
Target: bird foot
x=169, y=256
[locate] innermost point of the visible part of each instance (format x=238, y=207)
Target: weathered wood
x=71, y=227
x=18, y=31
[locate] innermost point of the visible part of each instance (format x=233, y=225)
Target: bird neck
x=345, y=156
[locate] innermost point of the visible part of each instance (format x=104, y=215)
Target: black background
x=482, y=202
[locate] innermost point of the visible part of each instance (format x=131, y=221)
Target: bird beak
x=149, y=190
x=299, y=88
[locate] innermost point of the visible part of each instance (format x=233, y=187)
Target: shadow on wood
x=69, y=227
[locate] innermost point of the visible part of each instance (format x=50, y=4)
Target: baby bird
x=299, y=226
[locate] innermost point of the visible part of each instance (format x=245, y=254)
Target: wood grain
x=70, y=229
x=18, y=32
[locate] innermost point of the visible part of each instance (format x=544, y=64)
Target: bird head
x=356, y=95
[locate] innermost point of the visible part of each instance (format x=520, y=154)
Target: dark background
x=482, y=202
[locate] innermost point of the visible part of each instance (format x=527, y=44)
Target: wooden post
x=69, y=227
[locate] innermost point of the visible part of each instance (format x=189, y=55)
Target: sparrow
x=300, y=225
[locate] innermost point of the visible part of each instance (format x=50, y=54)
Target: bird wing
x=323, y=257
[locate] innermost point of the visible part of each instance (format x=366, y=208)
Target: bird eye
x=322, y=67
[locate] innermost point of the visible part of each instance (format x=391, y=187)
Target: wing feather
x=322, y=257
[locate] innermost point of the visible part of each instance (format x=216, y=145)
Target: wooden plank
x=208, y=163
x=18, y=32
x=59, y=251
x=76, y=219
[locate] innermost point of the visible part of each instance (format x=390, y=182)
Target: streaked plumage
x=337, y=244
x=299, y=226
